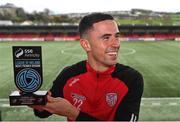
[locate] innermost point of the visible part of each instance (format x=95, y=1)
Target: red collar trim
x=108, y=71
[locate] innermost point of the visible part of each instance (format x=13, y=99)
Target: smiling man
x=98, y=88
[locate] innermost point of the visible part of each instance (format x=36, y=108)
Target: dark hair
x=87, y=21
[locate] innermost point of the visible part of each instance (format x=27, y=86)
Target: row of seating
x=32, y=36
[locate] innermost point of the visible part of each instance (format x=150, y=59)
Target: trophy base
x=35, y=98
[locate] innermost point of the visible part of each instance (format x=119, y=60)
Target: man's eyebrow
x=105, y=35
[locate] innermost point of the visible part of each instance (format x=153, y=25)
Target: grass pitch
x=159, y=62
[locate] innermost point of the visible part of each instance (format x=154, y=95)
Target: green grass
x=150, y=21
x=160, y=109
x=159, y=62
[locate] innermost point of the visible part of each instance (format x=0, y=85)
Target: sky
x=81, y=6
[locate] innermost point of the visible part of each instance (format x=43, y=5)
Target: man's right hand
x=59, y=106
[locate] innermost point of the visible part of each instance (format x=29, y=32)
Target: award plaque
x=27, y=63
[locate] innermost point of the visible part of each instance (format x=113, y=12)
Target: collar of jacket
x=109, y=71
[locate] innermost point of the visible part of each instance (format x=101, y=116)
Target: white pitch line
x=156, y=104
x=173, y=104
x=73, y=54
x=144, y=98
x=3, y=99
x=132, y=51
x=8, y=106
x=161, y=98
x=5, y=105
x=142, y=104
x=62, y=51
x=65, y=51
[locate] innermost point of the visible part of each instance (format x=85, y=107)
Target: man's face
x=104, y=43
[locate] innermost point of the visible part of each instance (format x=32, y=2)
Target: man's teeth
x=112, y=53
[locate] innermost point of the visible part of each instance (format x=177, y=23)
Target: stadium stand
x=70, y=32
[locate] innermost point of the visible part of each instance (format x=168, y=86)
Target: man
x=98, y=88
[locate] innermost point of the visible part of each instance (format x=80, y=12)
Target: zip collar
x=109, y=71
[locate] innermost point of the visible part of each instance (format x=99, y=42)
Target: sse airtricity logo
x=28, y=80
x=19, y=53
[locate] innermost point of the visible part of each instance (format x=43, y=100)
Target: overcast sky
x=76, y=6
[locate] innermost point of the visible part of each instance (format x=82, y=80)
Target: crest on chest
x=111, y=99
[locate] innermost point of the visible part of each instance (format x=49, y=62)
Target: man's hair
x=87, y=22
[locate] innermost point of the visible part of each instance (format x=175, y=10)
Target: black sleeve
x=128, y=109
x=56, y=91
x=85, y=117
